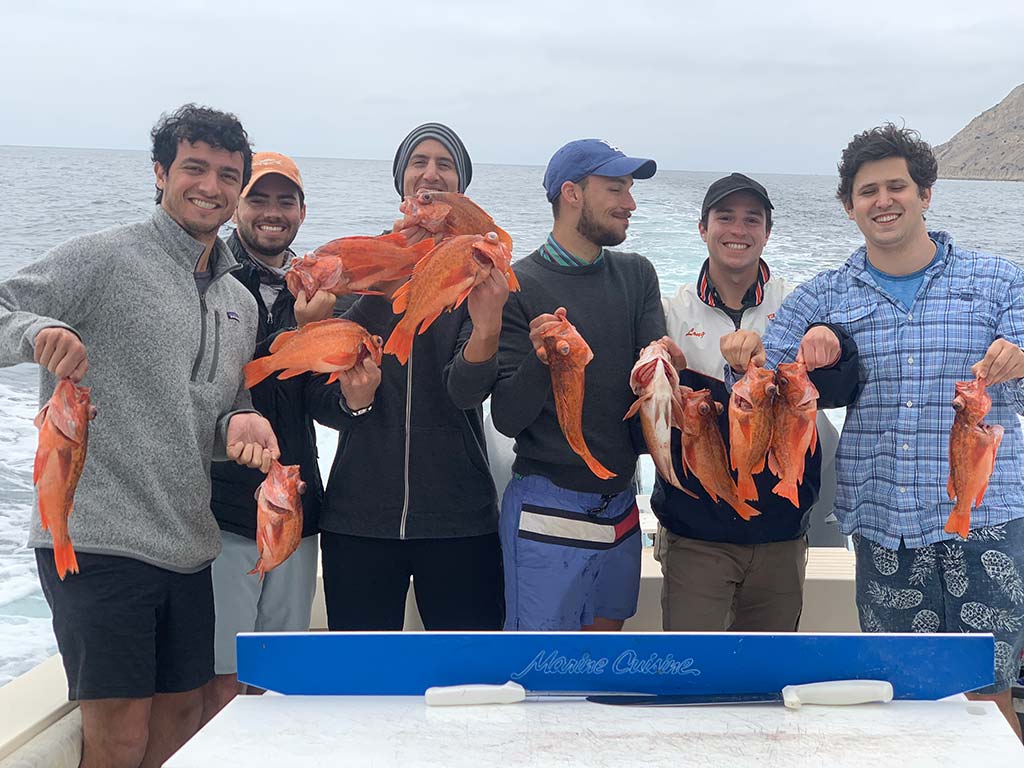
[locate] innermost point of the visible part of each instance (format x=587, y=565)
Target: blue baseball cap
x=585, y=157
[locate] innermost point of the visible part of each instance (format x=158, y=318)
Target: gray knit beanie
x=448, y=138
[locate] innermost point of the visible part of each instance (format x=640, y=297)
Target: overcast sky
x=760, y=86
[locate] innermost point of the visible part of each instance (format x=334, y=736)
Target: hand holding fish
x=1002, y=362
x=678, y=358
x=359, y=384
x=537, y=326
x=485, y=304
x=251, y=441
x=740, y=348
x=320, y=307
x=62, y=353
x=819, y=348
x=413, y=233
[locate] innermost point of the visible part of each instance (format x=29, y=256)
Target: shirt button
x=906, y=447
x=910, y=317
x=903, y=490
x=910, y=404
x=910, y=359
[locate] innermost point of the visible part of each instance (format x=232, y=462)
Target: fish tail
x=743, y=509
x=258, y=370
x=64, y=558
x=258, y=568
x=400, y=342
x=746, y=487
x=959, y=522
x=596, y=466
x=787, y=489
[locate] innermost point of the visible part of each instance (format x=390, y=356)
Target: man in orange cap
x=270, y=211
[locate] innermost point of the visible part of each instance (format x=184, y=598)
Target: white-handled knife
x=830, y=693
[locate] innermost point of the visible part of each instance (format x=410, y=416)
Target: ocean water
x=48, y=195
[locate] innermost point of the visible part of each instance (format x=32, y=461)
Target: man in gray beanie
x=410, y=493
x=432, y=156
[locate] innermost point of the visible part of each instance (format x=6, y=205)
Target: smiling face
x=431, y=166
x=887, y=204
x=269, y=217
x=201, y=188
x=606, y=205
x=736, y=232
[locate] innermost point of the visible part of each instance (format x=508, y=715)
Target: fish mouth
x=742, y=403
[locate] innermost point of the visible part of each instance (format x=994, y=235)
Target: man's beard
x=594, y=232
x=248, y=236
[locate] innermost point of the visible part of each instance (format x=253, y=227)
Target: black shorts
x=127, y=629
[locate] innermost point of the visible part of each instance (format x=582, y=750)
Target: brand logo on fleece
x=233, y=316
x=695, y=332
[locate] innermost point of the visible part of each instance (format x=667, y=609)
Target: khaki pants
x=710, y=586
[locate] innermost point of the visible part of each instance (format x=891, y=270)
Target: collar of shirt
x=753, y=297
x=556, y=254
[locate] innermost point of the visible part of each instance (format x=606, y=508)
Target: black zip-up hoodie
x=415, y=466
x=283, y=402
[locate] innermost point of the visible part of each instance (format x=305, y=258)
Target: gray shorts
x=281, y=603
x=951, y=586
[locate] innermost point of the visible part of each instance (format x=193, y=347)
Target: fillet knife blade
x=830, y=693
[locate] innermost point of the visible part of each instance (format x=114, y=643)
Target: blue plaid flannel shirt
x=892, y=462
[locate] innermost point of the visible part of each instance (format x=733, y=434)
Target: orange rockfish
x=63, y=437
x=704, y=449
x=326, y=346
x=278, y=516
x=795, y=430
x=654, y=378
x=448, y=214
x=568, y=355
x=441, y=281
x=972, y=453
x=750, y=426
x=354, y=265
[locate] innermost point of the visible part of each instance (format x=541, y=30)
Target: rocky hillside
x=990, y=147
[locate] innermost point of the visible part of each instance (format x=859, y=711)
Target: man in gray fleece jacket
x=145, y=315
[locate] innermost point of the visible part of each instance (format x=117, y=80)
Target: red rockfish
x=63, y=438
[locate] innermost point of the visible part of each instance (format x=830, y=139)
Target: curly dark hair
x=221, y=130
x=879, y=143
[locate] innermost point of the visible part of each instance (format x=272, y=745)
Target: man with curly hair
x=925, y=313
x=147, y=316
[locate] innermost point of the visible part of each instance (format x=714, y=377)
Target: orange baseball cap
x=264, y=163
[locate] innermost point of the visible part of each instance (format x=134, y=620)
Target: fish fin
x=814, y=439
x=423, y=247
x=333, y=377
x=635, y=407
x=429, y=320
x=399, y=342
x=513, y=281
x=281, y=339
x=773, y=463
x=258, y=370
x=396, y=238
x=758, y=468
x=291, y=373
x=368, y=292
x=689, y=493
x=746, y=488
x=787, y=489
x=400, y=299
x=258, y=568
x=959, y=523
x=64, y=558
x=41, y=416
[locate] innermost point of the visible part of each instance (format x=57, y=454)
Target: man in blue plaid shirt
x=925, y=313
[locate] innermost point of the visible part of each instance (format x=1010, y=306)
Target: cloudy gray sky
x=763, y=86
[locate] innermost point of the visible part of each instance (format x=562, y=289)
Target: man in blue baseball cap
x=570, y=539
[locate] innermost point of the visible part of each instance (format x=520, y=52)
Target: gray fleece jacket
x=165, y=368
